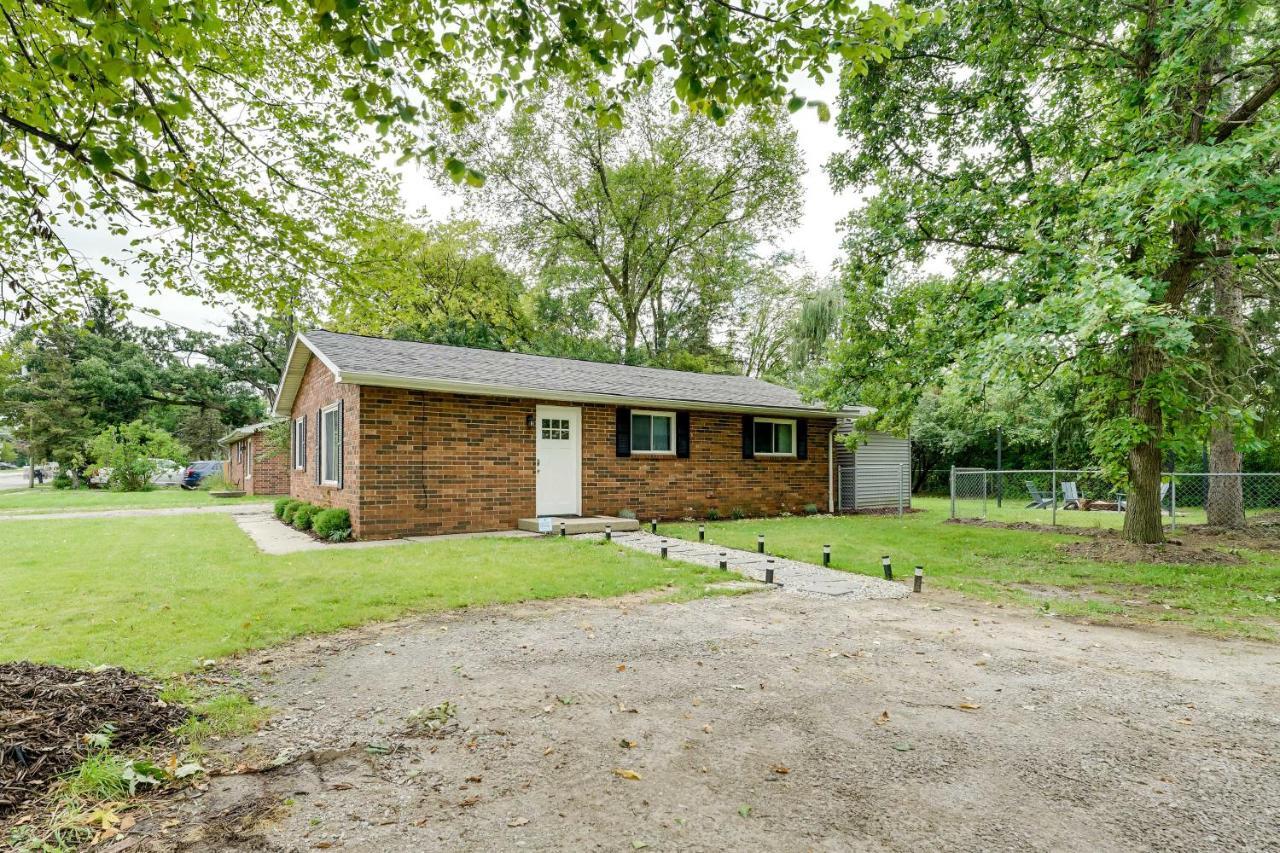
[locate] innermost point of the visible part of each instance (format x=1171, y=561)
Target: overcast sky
x=816, y=239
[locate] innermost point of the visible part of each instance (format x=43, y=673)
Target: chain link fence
x=1083, y=497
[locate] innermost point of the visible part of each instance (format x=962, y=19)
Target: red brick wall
x=317, y=391
x=423, y=463
x=269, y=473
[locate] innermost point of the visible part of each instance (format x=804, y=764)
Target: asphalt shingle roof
x=409, y=360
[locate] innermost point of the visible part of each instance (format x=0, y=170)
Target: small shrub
x=332, y=524
x=626, y=513
x=280, y=505
x=713, y=514
x=738, y=513
x=302, y=516
x=289, y=509
x=810, y=509
x=62, y=480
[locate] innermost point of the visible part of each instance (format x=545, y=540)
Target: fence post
x=984, y=492
x=1053, y=492
x=899, y=490
x=1173, y=501
x=953, y=491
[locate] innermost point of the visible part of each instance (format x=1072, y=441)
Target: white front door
x=559, y=461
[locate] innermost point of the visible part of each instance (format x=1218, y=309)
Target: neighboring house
x=252, y=465
x=419, y=439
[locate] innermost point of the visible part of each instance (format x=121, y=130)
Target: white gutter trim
x=486, y=389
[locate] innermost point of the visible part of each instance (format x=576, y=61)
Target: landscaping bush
x=62, y=480
x=289, y=508
x=135, y=452
x=302, y=516
x=713, y=514
x=334, y=524
x=738, y=513
x=626, y=513
x=281, y=503
x=810, y=509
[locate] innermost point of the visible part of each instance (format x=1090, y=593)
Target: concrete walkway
x=273, y=536
x=792, y=575
x=232, y=509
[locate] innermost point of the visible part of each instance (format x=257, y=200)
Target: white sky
x=816, y=240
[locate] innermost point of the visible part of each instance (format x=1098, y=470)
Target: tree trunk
x=1142, y=522
x=1224, y=504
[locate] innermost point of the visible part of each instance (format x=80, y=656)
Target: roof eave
x=486, y=389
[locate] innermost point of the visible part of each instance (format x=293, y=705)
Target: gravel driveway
x=765, y=721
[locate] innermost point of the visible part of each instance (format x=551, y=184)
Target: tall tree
x=222, y=134
x=639, y=217
x=1078, y=166
x=441, y=283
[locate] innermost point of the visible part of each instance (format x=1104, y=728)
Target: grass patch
x=162, y=594
x=45, y=499
x=1024, y=567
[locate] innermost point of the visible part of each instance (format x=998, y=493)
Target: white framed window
x=300, y=444
x=240, y=452
x=330, y=445
x=248, y=457
x=775, y=437
x=653, y=432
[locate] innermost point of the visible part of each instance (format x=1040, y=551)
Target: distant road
x=15, y=478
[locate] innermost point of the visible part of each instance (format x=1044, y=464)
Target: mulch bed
x=47, y=711
x=1115, y=551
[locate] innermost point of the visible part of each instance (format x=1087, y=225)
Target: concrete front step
x=584, y=524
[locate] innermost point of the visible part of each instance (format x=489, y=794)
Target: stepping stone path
x=792, y=575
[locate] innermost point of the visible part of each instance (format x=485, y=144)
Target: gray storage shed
x=876, y=474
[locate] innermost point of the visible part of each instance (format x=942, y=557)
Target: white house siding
x=877, y=466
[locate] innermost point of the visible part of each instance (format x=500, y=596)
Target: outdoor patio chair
x=1071, y=497
x=1122, y=500
x=1039, y=499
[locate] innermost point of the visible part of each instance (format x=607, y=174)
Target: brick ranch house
x=421, y=439
x=252, y=465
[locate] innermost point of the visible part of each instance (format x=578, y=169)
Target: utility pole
x=999, y=464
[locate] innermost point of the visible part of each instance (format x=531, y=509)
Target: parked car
x=198, y=471
x=168, y=473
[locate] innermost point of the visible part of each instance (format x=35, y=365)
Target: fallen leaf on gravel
x=518, y=821
x=967, y=706
x=903, y=747
x=707, y=728
x=626, y=774
x=622, y=667
x=323, y=845
x=549, y=750
x=745, y=811
x=469, y=801
x=781, y=769
x=1186, y=721
x=980, y=663
x=627, y=744
x=637, y=844
x=883, y=718
x=474, y=779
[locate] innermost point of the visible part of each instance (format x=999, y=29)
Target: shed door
x=559, y=460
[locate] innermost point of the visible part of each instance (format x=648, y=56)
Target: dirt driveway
x=767, y=721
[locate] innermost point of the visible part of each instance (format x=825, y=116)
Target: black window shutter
x=748, y=437
x=302, y=454
x=802, y=439
x=622, y=435
x=342, y=437
x=682, y=435
x=319, y=443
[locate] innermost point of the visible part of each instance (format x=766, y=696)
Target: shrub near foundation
x=289, y=509
x=302, y=516
x=280, y=505
x=328, y=523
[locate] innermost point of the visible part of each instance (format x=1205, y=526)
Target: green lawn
x=161, y=594
x=1024, y=567
x=43, y=499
